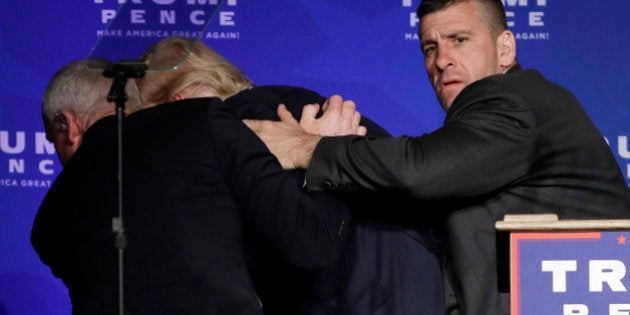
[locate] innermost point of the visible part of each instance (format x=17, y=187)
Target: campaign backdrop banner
x=367, y=51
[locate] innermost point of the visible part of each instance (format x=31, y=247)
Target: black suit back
x=184, y=251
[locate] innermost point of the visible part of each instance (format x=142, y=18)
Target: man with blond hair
x=297, y=264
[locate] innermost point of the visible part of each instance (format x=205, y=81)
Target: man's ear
x=506, y=49
x=71, y=127
x=178, y=96
x=195, y=89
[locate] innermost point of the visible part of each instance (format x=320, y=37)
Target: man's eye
x=428, y=49
x=461, y=40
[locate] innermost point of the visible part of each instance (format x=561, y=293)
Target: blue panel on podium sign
x=570, y=273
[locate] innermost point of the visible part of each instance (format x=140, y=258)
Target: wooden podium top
x=550, y=222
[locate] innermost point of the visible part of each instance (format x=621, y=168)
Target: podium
x=567, y=266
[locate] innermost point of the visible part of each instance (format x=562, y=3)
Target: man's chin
x=446, y=103
x=447, y=98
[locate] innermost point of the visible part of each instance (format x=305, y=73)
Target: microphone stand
x=121, y=72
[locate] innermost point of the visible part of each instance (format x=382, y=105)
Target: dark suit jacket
x=354, y=279
x=512, y=143
x=184, y=251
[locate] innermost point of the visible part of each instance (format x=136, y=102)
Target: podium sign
x=558, y=272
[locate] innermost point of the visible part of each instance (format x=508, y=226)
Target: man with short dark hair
x=512, y=142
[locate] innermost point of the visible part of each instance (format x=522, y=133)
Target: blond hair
x=176, y=63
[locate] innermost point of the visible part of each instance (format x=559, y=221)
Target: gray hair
x=80, y=86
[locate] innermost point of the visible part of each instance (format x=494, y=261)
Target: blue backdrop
x=367, y=51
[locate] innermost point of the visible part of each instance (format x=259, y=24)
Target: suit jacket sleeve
x=485, y=143
x=307, y=228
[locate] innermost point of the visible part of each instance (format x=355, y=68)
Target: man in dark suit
x=360, y=282
x=290, y=274
x=512, y=142
x=184, y=252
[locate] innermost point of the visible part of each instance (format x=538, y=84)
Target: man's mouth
x=448, y=83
